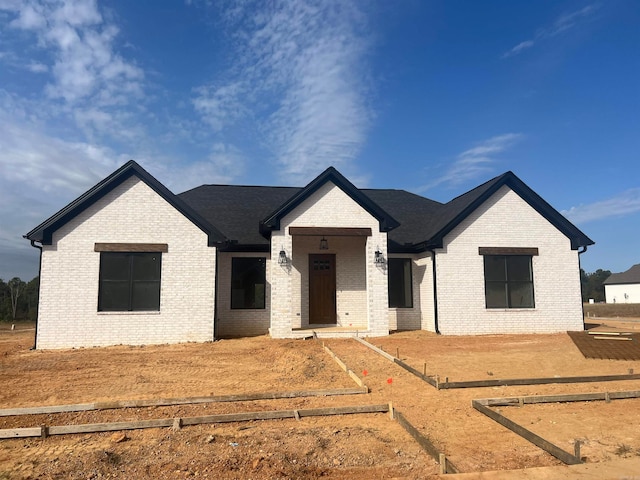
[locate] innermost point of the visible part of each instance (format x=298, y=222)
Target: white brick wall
x=421, y=316
x=240, y=322
x=506, y=220
x=132, y=213
x=329, y=206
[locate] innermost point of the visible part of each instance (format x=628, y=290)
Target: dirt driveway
x=354, y=447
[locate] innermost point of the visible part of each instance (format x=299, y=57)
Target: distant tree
x=593, y=284
x=16, y=287
x=5, y=300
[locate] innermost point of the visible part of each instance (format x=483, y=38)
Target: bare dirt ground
x=354, y=446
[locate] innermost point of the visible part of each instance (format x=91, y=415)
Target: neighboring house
x=623, y=287
x=129, y=262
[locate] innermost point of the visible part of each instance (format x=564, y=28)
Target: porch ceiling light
x=282, y=258
x=378, y=258
x=324, y=244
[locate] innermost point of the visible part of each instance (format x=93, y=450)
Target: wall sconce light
x=282, y=258
x=324, y=244
x=378, y=259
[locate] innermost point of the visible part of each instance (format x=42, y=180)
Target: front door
x=322, y=289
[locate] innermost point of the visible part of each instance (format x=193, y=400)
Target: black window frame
x=130, y=282
x=399, y=299
x=509, y=282
x=252, y=277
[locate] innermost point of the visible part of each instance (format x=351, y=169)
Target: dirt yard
x=360, y=446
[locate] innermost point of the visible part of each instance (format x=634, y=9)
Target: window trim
x=264, y=290
x=509, y=283
x=130, y=280
x=409, y=260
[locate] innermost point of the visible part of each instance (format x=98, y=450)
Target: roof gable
x=44, y=232
x=461, y=207
x=386, y=221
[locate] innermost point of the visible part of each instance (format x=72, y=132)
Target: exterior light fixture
x=324, y=244
x=378, y=259
x=282, y=258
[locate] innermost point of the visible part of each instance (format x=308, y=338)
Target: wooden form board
x=169, y=422
x=165, y=402
x=425, y=443
x=397, y=361
x=483, y=404
x=497, y=382
x=560, y=454
x=344, y=367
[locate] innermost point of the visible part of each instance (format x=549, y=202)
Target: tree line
x=592, y=284
x=18, y=300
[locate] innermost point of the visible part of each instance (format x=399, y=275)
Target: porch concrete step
x=329, y=333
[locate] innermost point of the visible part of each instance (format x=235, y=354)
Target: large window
x=248, y=282
x=400, y=290
x=129, y=281
x=508, y=281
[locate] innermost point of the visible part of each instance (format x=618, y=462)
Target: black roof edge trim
x=44, y=232
x=235, y=247
x=575, y=235
x=386, y=221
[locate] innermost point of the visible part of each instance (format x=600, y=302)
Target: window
x=129, y=281
x=248, y=282
x=400, y=285
x=508, y=281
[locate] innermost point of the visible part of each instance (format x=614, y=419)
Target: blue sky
x=434, y=97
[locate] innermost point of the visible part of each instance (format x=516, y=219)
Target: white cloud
x=301, y=76
x=561, y=24
x=221, y=166
x=475, y=162
x=626, y=203
x=85, y=67
x=519, y=48
x=37, y=67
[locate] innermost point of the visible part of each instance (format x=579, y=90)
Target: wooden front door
x=322, y=289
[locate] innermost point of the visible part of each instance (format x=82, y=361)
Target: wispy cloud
x=561, y=24
x=626, y=203
x=85, y=64
x=474, y=162
x=300, y=77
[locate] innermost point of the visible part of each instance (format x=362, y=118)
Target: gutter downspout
x=580, y=252
x=435, y=289
x=35, y=338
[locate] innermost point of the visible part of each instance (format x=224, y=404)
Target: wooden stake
x=424, y=369
x=397, y=352
x=177, y=424
x=576, y=449
x=44, y=431
x=443, y=463
x=391, y=416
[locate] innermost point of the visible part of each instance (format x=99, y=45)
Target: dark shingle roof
x=237, y=211
x=630, y=276
x=241, y=217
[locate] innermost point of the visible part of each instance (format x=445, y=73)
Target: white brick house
x=129, y=262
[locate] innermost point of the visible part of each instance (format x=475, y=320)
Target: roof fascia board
x=386, y=222
x=44, y=232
